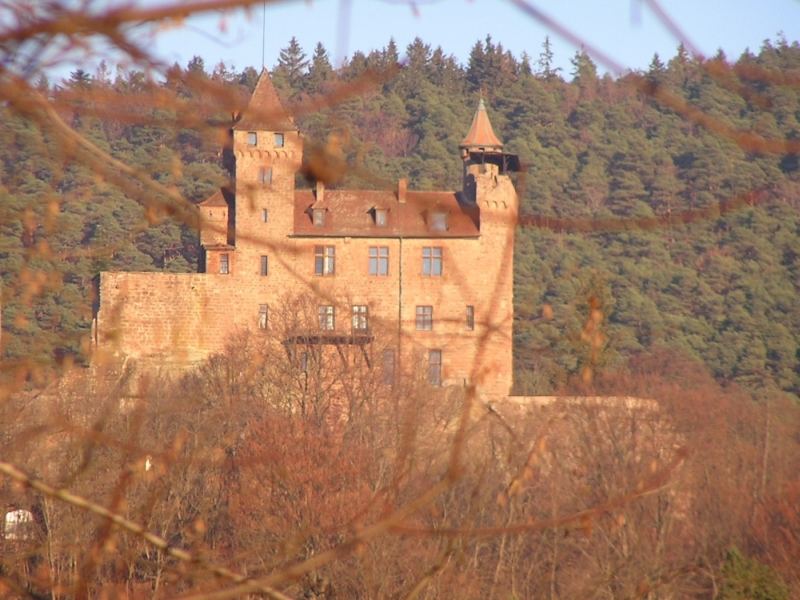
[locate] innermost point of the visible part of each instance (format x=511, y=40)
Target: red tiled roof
x=350, y=213
x=265, y=111
x=222, y=197
x=480, y=132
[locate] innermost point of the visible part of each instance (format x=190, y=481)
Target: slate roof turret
x=481, y=135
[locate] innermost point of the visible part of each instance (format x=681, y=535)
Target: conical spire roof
x=481, y=134
x=265, y=111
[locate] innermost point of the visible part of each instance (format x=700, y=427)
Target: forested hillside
x=669, y=200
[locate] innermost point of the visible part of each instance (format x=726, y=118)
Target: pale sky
x=627, y=31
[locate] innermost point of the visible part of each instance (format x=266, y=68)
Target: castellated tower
x=487, y=183
x=267, y=151
x=407, y=281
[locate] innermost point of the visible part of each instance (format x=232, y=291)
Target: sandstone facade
x=430, y=273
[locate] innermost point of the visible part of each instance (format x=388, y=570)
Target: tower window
x=318, y=215
x=264, y=215
x=279, y=140
x=224, y=264
x=438, y=221
x=381, y=217
x=360, y=317
x=324, y=260
x=435, y=367
x=264, y=265
x=265, y=175
x=262, y=316
x=327, y=317
x=432, y=261
x=378, y=260
x=424, y=320
x=252, y=138
x=470, y=317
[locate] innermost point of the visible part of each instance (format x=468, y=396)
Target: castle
x=432, y=271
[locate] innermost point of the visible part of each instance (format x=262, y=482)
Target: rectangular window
x=438, y=221
x=327, y=317
x=360, y=317
x=265, y=265
x=432, y=261
x=318, y=215
x=378, y=260
x=304, y=362
x=264, y=215
x=388, y=366
x=424, y=318
x=252, y=138
x=381, y=217
x=279, y=140
x=265, y=175
x=435, y=367
x=262, y=316
x=324, y=260
x=470, y=317
x=224, y=264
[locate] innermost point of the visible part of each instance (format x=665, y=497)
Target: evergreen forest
x=667, y=199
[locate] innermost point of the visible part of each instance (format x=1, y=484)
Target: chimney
x=320, y=191
x=402, y=188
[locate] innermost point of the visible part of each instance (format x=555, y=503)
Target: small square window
x=318, y=215
x=381, y=217
x=379, y=260
x=438, y=221
x=327, y=317
x=324, y=260
x=435, y=367
x=279, y=140
x=424, y=318
x=360, y=317
x=432, y=261
x=470, y=317
x=264, y=215
x=265, y=175
x=262, y=316
x=264, y=265
x=224, y=264
x=252, y=138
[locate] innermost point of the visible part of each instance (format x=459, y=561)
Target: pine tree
x=79, y=79
x=196, y=66
x=584, y=71
x=545, y=63
x=476, y=67
x=320, y=69
x=292, y=65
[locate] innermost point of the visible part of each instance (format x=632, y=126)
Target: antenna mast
x=263, y=32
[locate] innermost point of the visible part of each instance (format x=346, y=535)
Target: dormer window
x=318, y=216
x=252, y=138
x=279, y=140
x=438, y=221
x=381, y=217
